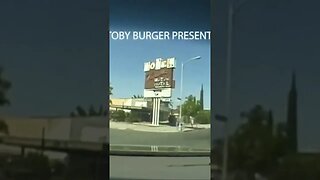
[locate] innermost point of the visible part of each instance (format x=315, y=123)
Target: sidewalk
x=147, y=127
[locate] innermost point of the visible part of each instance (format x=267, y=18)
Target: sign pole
x=158, y=84
x=158, y=111
x=153, y=110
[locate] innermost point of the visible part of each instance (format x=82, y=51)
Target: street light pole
x=181, y=90
x=181, y=83
x=231, y=13
x=228, y=87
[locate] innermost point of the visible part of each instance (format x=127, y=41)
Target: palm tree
x=5, y=85
x=137, y=96
x=81, y=111
x=110, y=93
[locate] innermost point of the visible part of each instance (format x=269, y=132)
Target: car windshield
x=155, y=97
x=159, y=105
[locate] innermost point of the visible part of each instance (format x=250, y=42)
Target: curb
x=154, y=131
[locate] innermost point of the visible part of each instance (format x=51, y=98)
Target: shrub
x=296, y=167
x=34, y=166
x=172, y=120
x=118, y=116
x=4, y=127
x=186, y=119
x=38, y=163
x=133, y=117
x=59, y=167
x=203, y=117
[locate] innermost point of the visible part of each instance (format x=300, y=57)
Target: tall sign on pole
x=159, y=83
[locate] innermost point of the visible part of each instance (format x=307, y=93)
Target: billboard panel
x=159, y=74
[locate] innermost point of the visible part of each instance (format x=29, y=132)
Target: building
x=129, y=104
x=83, y=129
x=140, y=106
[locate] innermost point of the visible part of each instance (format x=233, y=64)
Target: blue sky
x=271, y=39
x=54, y=53
x=127, y=57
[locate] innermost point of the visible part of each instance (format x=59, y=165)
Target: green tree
x=92, y=111
x=100, y=112
x=81, y=111
x=5, y=85
x=191, y=106
x=38, y=164
x=254, y=147
x=137, y=96
x=34, y=166
x=119, y=115
x=110, y=93
x=203, y=117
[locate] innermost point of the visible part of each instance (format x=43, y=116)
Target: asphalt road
x=174, y=168
x=193, y=139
